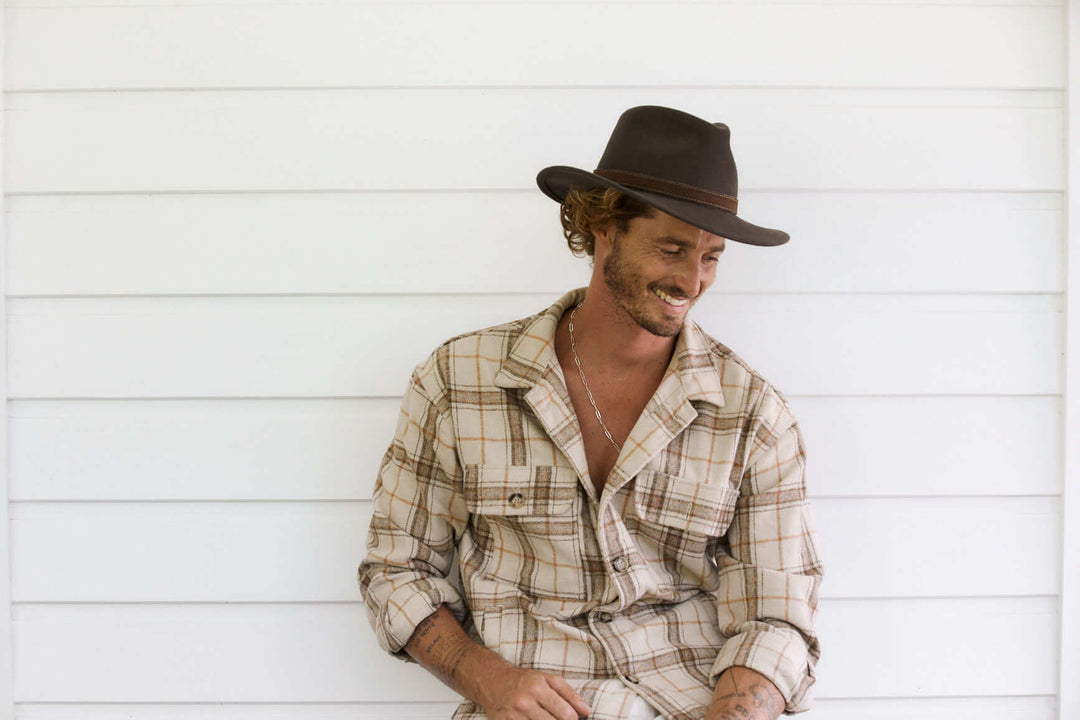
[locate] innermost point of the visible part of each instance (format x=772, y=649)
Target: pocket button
x=516, y=500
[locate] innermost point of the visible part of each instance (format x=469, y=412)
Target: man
x=599, y=510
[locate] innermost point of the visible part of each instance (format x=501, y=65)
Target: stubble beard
x=624, y=285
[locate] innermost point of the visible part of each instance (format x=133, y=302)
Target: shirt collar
x=532, y=354
x=697, y=365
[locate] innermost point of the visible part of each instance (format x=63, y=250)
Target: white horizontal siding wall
x=232, y=229
x=6, y=696
x=1068, y=689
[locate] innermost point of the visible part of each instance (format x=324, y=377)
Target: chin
x=670, y=326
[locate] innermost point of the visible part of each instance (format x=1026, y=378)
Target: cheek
x=707, y=277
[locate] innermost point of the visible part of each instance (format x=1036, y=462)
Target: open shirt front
x=699, y=554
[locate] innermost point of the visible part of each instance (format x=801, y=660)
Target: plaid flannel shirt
x=699, y=554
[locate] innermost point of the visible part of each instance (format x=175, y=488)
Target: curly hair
x=584, y=210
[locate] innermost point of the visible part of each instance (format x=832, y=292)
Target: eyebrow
x=686, y=243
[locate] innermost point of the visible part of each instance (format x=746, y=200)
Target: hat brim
x=556, y=181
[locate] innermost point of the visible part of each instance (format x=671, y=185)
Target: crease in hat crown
x=675, y=162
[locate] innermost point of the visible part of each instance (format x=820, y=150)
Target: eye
x=670, y=252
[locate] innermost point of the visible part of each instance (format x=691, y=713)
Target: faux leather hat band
x=670, y=188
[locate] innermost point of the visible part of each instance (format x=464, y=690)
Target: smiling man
x=600, y=510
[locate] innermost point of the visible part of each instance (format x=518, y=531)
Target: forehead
x=661, y=227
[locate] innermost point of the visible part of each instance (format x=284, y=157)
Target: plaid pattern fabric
x=700, y=553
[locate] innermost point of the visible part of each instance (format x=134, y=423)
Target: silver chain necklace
x=577, y=361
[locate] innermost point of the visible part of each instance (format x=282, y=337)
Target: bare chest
x=614, y=409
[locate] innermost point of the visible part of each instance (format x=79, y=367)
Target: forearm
x=744, y=694
x=442, y=647
x=504, y=691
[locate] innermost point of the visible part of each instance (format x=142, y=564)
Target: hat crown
x=672, y=161
x=673, y=145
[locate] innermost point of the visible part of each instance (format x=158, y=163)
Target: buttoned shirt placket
x=668, y=412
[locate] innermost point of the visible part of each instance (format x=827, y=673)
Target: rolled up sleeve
x=771, y=570
x=418, y=516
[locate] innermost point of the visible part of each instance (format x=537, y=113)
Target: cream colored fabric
x=700, y=554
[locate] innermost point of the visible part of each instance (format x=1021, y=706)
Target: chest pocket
x=679, y=523
x=527, y=527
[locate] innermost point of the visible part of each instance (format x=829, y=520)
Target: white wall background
x=231, y=229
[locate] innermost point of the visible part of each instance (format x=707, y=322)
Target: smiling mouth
x=676, y=302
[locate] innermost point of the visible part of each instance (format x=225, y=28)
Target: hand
x=504, y=692
x=515, y=694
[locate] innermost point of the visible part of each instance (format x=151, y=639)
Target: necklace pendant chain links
x=588, y=392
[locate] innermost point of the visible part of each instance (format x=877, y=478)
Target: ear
x=604, y=235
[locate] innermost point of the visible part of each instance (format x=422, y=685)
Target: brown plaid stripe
x=700, y=553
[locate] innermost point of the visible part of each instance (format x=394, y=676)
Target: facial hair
x=627, y=287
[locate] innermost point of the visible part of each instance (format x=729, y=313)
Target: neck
x=627, y=345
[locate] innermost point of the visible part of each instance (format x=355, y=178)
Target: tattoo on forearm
x=739, y=712
x=444, y=657
x=456, y=658
x=755, y=702
x=767, y=700
x=735, y=691
x=440, y=652
x=732, y=715
x=422, y=630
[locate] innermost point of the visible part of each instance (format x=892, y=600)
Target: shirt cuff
x=780, y=655
x=408, y=606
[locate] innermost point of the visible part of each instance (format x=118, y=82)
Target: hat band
x=670, y=188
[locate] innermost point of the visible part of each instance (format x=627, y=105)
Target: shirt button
x=604, y=616
x=516, y=500
x=620, y=563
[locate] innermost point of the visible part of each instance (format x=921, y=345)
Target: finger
x=568, y=693
x=552, y=705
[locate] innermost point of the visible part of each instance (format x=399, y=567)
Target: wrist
x=488, y=675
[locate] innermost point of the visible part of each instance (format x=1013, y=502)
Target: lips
x=676, y=302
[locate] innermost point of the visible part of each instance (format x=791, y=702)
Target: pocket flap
x=519, y=490
x=701, y=508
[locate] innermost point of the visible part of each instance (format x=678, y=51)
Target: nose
x=688, y=278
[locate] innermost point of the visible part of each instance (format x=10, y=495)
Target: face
x=658, y=269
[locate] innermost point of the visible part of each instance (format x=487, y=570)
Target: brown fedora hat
x=675, y=162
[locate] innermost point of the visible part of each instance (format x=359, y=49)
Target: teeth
x=670, y=300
